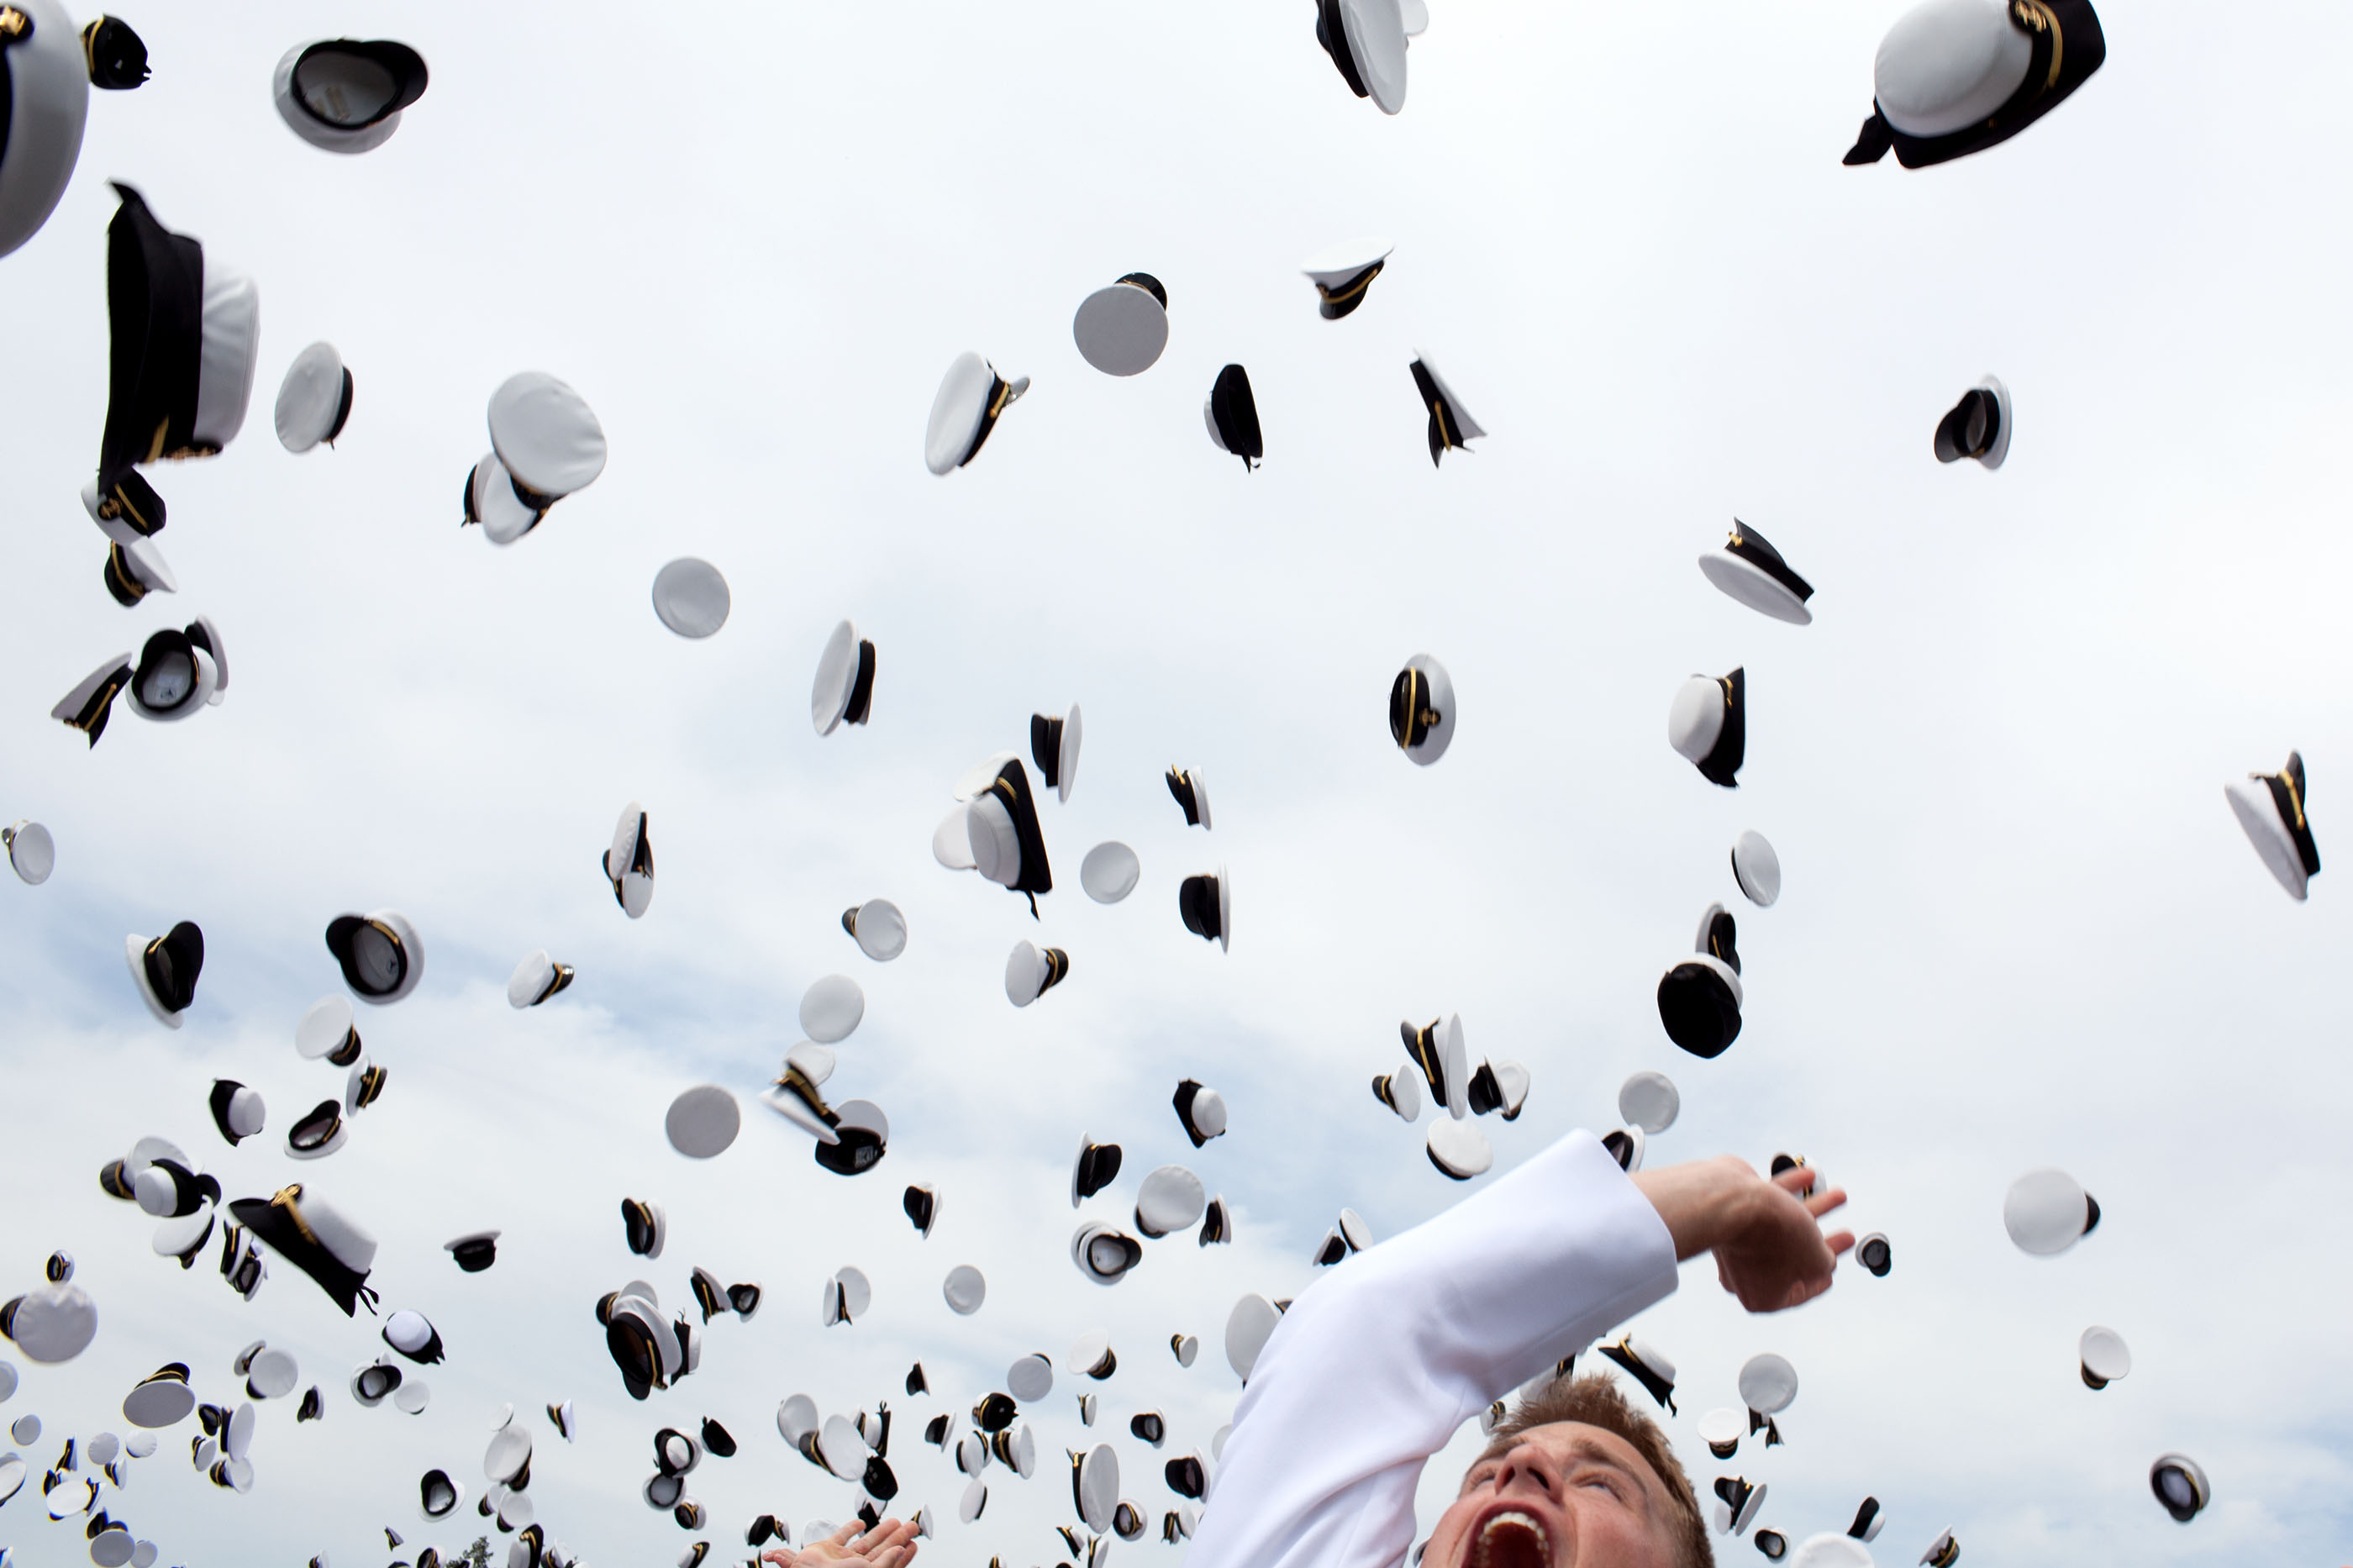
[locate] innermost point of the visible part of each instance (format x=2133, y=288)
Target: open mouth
x=1510, y=1540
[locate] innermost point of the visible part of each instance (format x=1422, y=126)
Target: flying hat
x=1772, y=1543
x=1054, y=747
x=1722, y=1429
x=709, y=1293
x=1091, y=1356
x=327, y=1031
x=1170, y=1199
x=1031, y=1379
x=269, y=1372
x=409, y=1334
x=1247, y=1327
x=161, y=1399
x=1767, y=1384
x=1095, y=1486
x=1105, y=1254
x=1008, y=845
x=1868, y=1521
x=1127, y=1522
x=994, y=1414
x=1700, y=998
x=1201, y=1111
x=184, y=328
x=1956, y=77
x=1191, y=795
x=238, y=1110
x=1498, y=1085
x=546, y=437
x=438, y=1496
x=381, y=956
x=832, y=1008
x=2270, y=808
x=1366, y=39
x=1421, y=710
x=2103, y=1356
x=492, y=500
x=1217, y=1224
x=2180, y=1486
x=964, y=1290
x=1875, y=1255
x=675, y=1453
x=1757, y=869
x=561, y=1417
x=692, y=597
x=1096, y=1167
x=1437, y=1049
x=1649, y=1100
x=976, y=1498
x=1459, y=1148
x=844, y=690
x=1343, y=273
x=644, y=1226
x=50, y=1323
x=1977, y=426
x=45, y=75
x=1231, y=413
x=1401, y=1091
x=179, y=674
x=1121, y=330
x=320, y=1132
x=2047, y=1211
x=847, y=1297
x=135, y=569
x=1708, y=724
x=241, y=1266
x=346, y=95
x=702, y=1121
x=313, y=1235
x=922, y=1206
x=1751, y=570
x=166, y=970
x=971, y=396
x=878, y=928
x=1943, y=1552
x=1625, y=1146
x=1647, y=1365
x=535, y=979
x=32, y=853
x=862, y=1136
x=1737, y=1504
x=1206, y=904
x=1109, y=872
x=1031, y=971
x=1189, y=1477
x=314, y=400
x=1450, y=426
x=633, y=852
x=87, y=706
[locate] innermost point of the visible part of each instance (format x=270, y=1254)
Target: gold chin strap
x=1364, y=280
x=1445, y=432
x=15, y=25
x=2295, y=795
x=2036, y=16
x=290, y=1199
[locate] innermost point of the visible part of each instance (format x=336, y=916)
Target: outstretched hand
x=1769, y=1245
x=889, y=1544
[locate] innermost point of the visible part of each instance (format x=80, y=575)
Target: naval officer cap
x=1031, y=971
x=1366, y=39
x=1002, y=830
x=2270, y=809
x=1647, y=1365
x=1344, y=273
x=1767, y=1384
x=1192, y=796
x=1095, y=1486
x=2181, y=1486
x=1956, y=77
x=845, y=1298
x=1437, y=1050
x=546, y=437
x=1110, y=871
x=1231, y=413
x=1868, y=1521
x=843, y=692
x=1757, y=869
x=971, y=397
x=185, y=327
x=1977, y=426
x=1722, y=1429
x=1700, y=998
x=922, y=1207
x=1498, y=1085
x=314, y=400
x=1054, y=747
x=1708, y=724
x=963, y=1290
x=492, y=501
x=690, y=597
x=1170, y=1199
x=1751, y=570
x=413, y=1336
x=702, y=1121
x=51, y=1324
x=535, y=979
x=178, y=676
x=1943, y=1552
x=1031, y=1379
x=1450, y=426
x=315, y=1236
x=1091, y=1356
x=163, y=1398
x=1875, y=1254
x=1651, y=1101
x=1421, y=710
x=1401, y=1091
x=1102, y=1254
x=166, y=970
x=1206, y=904
x=1201, y=1110
x=135, y=569
x=1121, y=330
x=1457, y=1149
x=32, y=853
x=46, y=73
x=878, y=928
x=644, y=1226
x=237, y=1110
x=474, y=1251
x=2047, y=1211
x=628, y=865
x=1737, y=1504
x=380, y=954
x=832, y=1008
x=346, y=95
x=321, y=1131
x=2101, y=1356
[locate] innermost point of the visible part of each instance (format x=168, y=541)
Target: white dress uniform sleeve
x=1375, y=1367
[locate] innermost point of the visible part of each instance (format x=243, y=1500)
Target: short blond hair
x=1596, y=1401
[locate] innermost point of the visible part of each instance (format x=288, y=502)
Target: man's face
x=1564, y=1495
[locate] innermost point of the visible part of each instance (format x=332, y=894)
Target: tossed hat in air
x=314, y=400
x=1231, y=413
x=346, y=95
x=628, y=865
x=922, y=1204
x=1498, y=1085
x=1170, y=1199
x=1450, y=426
x=166, y=970
x=380, y=954
x=843, y=692
x=135, y=569
x=1096, y=1167
x=1344, y=273
x=971, y=397
x=1876, y=1254
x=702, y=1121
x=2047, y=1211
x=1868, y=1521
x=1651, y=1101
x=474, y=1251
x=1001, y=827
x=1758, y=868
x=1769, y=1384
x=1122, y=329
x=690, y=597
x=2180, y=1486
x=2103, y=1356
x=1366, y=39
x=1457, y=1149
x=1709, y=725
x=878, y=928
x=1201, y=1111
x=2270, y=808
x=1625, y=1145
x=1977, y=426
x=1751, y=570
x=1956, y=77
x=51, y=1324
x=1206, y=904
x=965, y=1289
x=1647, y=1364
x=1401, y=1091
x=545, y=442
x=535, y=979
x=1103, y=1254
x=1736, y=1504
x=1437, y=1050
x=1054, y=747
x=178, y=676
x=1110, y=871
x=47, y=70
x=310, y=1233
x=1031, y=971
x=1722, y=1429
x=237, y=1110
x=1700, y=998
x=1192, y=796
x=1943, y=1552
x=1421, y=710
x=832, y=1008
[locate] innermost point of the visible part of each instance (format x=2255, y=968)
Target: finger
x=843, y=1536
x=1822, y=1203
x=1840, y=1243
x=886, y=1558
x=1796, y=1179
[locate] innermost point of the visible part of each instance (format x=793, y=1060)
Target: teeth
x=1497, y=1531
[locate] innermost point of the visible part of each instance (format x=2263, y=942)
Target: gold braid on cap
x=2036, y=16
x=1355, y=285
x=15, y=25
x=289, y=1199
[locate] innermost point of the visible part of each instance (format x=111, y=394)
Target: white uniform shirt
x=1374, y=1368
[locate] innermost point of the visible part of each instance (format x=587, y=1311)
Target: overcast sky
x=2020, y=928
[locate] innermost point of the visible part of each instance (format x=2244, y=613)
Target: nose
x=1524, y=1467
